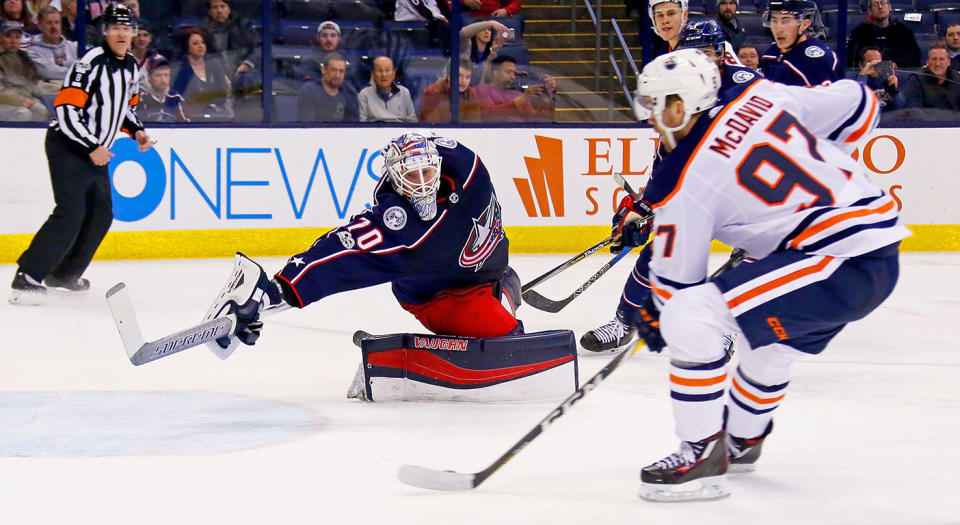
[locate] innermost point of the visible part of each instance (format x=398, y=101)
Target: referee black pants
x=65, y=244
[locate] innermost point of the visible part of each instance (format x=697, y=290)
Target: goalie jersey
x=463, y=245
x=769, y=169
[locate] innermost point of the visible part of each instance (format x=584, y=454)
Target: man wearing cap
x=50, y=51
x=727, y=18
x=19, y=80
x=328, y=41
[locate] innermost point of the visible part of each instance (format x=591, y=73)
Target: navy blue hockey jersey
x=809, y=63
x=463, y=245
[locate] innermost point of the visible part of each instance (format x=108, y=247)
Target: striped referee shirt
x=98, y=99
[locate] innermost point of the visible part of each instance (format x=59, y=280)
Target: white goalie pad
x=410, y=367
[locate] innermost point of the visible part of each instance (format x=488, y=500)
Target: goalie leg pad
x=413, y=367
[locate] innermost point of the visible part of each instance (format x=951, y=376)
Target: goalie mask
x=412, y=163
x=689, y=74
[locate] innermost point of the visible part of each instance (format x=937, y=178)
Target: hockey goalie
x=435, y=233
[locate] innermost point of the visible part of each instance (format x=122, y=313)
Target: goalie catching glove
x=631, y=223
x=242, y=298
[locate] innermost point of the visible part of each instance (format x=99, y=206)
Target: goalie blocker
x=416, y=367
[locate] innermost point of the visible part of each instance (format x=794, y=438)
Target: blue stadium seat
x=297, y=32
x=945, y=18
x=518, y=52
x=901, y=5
x=357, y=10
x=943, y=5
x=753, y=24
x=318, y=10
x=748, y=7
x=924, y=26
x=414, y=33
x=697, y=7
x=832, y=6
x=925, y=41
x=359, y=34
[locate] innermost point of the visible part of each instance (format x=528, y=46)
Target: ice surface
x=867, y=433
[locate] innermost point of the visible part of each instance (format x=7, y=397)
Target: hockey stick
x=567, y=264
x=140, y=351
x=449, y=480
x=540, y=302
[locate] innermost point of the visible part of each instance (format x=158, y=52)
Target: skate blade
x=21, y=298
x=66, y=291
x=741, y=468
x=703, y=489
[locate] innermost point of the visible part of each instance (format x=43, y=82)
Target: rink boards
x=206, y=192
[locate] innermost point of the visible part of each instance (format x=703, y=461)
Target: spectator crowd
x=389, y=60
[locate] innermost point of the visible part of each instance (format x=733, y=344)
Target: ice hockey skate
x=26, y=291
x=67, y=284
x=608, y=338
x=744, y=452
x=693, y=473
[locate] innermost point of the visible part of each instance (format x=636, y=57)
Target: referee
x=97, y=101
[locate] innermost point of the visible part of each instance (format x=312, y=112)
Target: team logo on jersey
x=814, y=52
x=484, y=237
x=742, y=76
x=395, y=218
x=445, y=142
x=346, y=239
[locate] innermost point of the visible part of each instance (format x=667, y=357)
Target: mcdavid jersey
x=809, y=63
x=753, y=174
x=463, y=245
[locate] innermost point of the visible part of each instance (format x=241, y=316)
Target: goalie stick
x=140, y=351
x=449, y=480
x=567, y=264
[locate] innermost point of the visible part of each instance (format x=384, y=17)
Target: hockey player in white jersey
x=765, y=168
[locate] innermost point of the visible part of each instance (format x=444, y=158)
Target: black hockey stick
x=567, y=264
x=449, y=480
x=540, y=302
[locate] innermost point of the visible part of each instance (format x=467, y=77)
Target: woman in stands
x=16, y=10
x=203, y=83
x=479, y=42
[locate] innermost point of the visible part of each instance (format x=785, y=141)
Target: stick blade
x=426, y=478
x=124, y=316
x=540, y=302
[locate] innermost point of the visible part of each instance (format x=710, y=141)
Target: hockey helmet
x=687, y=73
x=118, y=15
x=412, y=163
x=802, y=9
x=684, y=12
x=705, y=33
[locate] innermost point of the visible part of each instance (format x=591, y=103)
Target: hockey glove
x=631, y=223
x=647, y=321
